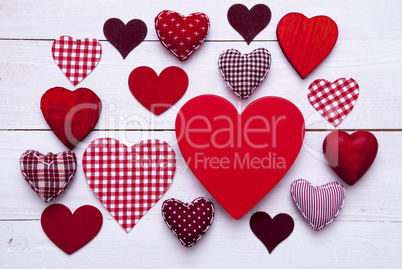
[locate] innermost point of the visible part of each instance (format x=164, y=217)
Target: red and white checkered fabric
x=333, y=101
x=76, y=59
x=48, y=175
x=129, y=181
x=244, y=73
x=318, y=205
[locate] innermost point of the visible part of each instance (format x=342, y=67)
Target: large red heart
x=239, y=158
x=71, y=232
x=158, y=94
x=180, y=34
x=128, y=181
x=71, y=114
x=306, y=42
x=350, y=156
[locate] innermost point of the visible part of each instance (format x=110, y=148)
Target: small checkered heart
x=188, y=222
x=333, y=101
x=318, y=205
x=129, y=181
x=76, y=59
x=244, y=73
x=180, y=34
x=48, y=175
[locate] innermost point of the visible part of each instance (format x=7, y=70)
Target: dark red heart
x=239, y=158
x=249, y=22
x=306, y=42
x=71, y=114
x=125, y=37
x=188, y=222
x=158, y=94
x=270, y=231
x=350, y=156
x=71, y=232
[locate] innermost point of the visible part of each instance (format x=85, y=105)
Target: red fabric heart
x=318, y=205
x=306, y=42
x=188, y=222
x=71, y=232
x=158, y=94
x=180, y=34
x=128, y=181
x=350, y=156
x=71, y=114
x=270, y=231
x=76, y=59
x=48, y=175
x=239, y=158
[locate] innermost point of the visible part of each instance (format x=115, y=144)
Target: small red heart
x=239, y=158
x=188, y=222
x=306, y=42
x=71, y=232
x=350, y=156
x=180, y=34
x=157, y=94
x=71, y=114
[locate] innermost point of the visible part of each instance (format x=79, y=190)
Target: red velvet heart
x=306, y=42
x=71, y=114
x=71, y=232
x=158, y=94
x=350, y=156
x=180, y=34
x=239, y=158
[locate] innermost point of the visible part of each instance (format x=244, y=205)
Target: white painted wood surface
x=367, y=233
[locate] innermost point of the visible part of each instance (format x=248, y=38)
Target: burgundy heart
x=125, y=37
x=249, y=22
x=188, y=222
x=271, y=231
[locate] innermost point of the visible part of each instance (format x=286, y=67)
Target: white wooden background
x=367, y=233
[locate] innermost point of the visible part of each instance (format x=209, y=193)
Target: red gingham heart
x=180, y=34
x=129, y=181
x=318, y=205
x=48, y=175
x=76, y=59
x=333, y=101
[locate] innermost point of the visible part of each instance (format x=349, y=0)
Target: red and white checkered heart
x=129, y=181
x=244, y=73
x=180, y=34
x=333, y=101
x=318, y=205
x=48, y=175
x=76, y=59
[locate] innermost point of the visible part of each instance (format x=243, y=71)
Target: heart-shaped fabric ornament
x=180, y=34
x=333, y=101
x=271, y=231
x=239, y=158
x=249, y=22
x=125, y=37
x=350, y=156
x=244, y=73
x=76, y=59
x=48, y=175
x=157, y=94
x=306, y=42
x=71, y=114
x=129, y=181
x=188, y=222
x=318, y=205
x=70, y=232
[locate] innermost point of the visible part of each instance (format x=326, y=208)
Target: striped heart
x=318, y=205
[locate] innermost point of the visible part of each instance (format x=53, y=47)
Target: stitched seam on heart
x=327, y=185
x=188, y=207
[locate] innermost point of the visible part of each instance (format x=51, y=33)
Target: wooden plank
x=27, y=70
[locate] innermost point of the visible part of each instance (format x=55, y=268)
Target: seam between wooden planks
x=148, y=40
x=172, y=130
